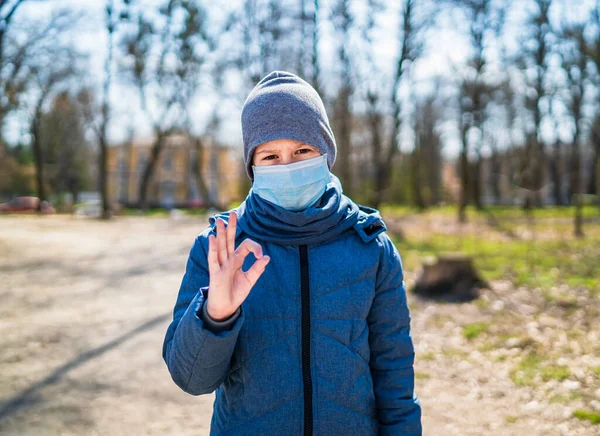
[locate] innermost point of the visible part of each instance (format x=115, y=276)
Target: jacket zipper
x=305, y=294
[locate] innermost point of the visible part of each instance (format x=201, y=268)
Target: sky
x=447, y=49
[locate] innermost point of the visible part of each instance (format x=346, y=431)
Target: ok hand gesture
x=229, y=284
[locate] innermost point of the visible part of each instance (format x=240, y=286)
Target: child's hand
x=229, y=284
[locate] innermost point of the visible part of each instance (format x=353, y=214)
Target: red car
x=26, y=204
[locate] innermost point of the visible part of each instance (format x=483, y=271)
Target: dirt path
x=85, y=306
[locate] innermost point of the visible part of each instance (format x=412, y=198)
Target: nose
x=286, y=159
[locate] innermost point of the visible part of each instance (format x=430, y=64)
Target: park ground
x=86, y=303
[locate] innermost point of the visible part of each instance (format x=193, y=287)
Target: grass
x=397, y=210
x=548, y=262
x=565, y=398
x=426, y=356
x=531, y=368
x=589, y=415
x=454, y=352
x=500, y=340
x=589, y=211
x=500, y=358
x=482, y=304
x=555, y=372
x=421, y=375
x=471, y=331
x=525, y=373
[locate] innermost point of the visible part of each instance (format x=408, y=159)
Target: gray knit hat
x=284, y=106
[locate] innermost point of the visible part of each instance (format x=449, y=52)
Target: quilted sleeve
x=214, y=325
x=392, y=351
x=198, y=353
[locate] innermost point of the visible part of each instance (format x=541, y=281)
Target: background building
x=189, y=173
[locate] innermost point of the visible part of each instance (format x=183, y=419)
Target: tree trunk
x=315, y=52
x=451, y=277
x=556, y=175
x=106, y=211
x=476, y=183
x=149, y=169
x=302, y=43
x=495, y=176
x=575, y=185
x=376, y=140
x=199, y=176
x=415, y=170
x=598, y=179
x=385, y=169
x=593, y=181
x=38, y=157
x=344, y=112
x=598, y=176
x=103, y=134
x=464, y=181
x=344, y=147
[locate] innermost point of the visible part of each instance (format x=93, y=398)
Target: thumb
x=256, y=270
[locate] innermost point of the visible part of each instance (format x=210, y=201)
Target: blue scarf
x=331, y=215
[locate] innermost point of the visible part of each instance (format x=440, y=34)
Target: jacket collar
x=332, y=215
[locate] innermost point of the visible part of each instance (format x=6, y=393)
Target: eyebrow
x=275, y=151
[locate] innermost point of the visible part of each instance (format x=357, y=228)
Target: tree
x=343, y=22
x=13, y=55
x=556, y=161
x=371, y=85
x=16, y=49
x=52, y=67
x=112, y=19
x=575, y=64
x=65, y=146
x=165, y=56
x=426, y=157
x=316, y=79
x=47, y=81
x=534, y=60
x=485, y=22
x=465, y=113
x=411, y=46
x=593, y=51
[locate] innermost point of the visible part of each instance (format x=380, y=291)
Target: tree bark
x=38, y=154
x=376, y=141
x=315, y=49
x=555, y=173
x=149, y=168
x=464, y=177
x=103, y=134
x=415, y=171
x=199, y=167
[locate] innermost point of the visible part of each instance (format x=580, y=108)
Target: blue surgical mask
x=294, y=186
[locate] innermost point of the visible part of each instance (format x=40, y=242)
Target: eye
x=271, y=155
x=307, y=150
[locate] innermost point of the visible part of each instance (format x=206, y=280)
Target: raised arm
x=197, y=354
x=392, y=351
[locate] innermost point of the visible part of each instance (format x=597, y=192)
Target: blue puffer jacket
x=322, y=344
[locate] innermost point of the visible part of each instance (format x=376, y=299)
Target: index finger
x=247, y=246
x=231, y=225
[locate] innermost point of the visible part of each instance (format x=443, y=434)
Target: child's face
x=283, y=152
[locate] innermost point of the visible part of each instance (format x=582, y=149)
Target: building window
x=141, y=163
x=168, y=162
